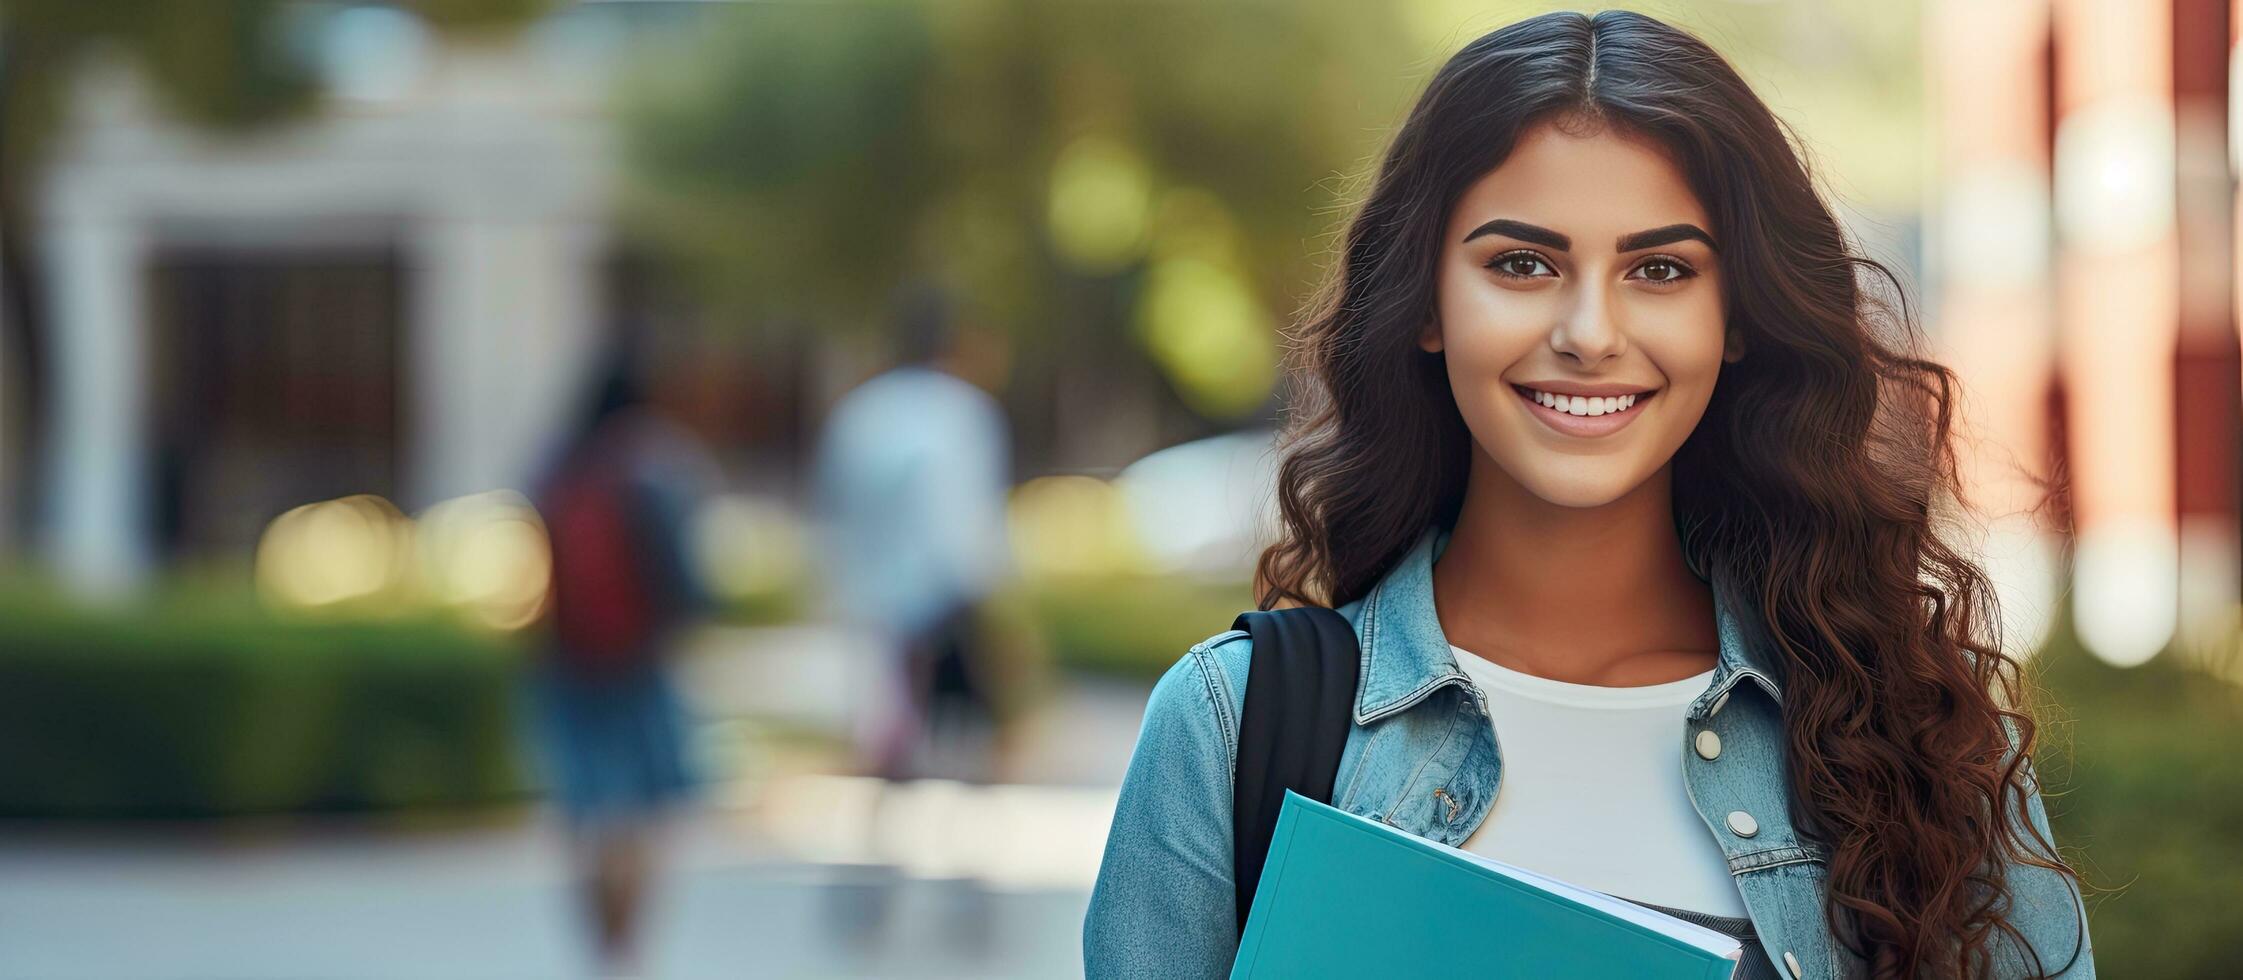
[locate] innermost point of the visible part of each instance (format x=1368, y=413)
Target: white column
x=2119, y=309
x=1990, y=250
x=504, y=319
x=96, y=504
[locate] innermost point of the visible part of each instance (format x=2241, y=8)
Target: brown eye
x=1517, y=265
x=1674, y=271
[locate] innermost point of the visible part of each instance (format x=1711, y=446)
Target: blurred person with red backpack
x=616, y=502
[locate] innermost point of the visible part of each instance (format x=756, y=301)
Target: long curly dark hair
x=1817, y=480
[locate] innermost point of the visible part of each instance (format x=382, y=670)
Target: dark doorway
x=274, y=381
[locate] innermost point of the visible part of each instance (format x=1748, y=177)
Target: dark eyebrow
x=1627, y=243
x=1523, y=232
x=1662, y=236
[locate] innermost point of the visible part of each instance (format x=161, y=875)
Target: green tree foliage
x=792, y=152
x=803, y=159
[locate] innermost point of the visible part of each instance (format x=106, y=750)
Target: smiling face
x=1580, y=308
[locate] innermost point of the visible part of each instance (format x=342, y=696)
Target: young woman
x=1631, y=494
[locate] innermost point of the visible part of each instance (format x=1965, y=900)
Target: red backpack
x=606, y=611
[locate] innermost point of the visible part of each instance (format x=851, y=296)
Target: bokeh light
x=1203, y=324
x=486, y=555
x=333, y=552
x=1101, y=196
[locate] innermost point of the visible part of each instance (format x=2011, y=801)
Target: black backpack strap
x=1300, y=703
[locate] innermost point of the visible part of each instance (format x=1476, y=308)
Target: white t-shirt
x=1592, y=788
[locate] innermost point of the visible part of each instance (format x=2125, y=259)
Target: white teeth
x=1576, y=405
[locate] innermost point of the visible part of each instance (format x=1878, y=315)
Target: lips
x=1585, y=426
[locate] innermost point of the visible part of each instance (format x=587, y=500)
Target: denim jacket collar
x=1406, y=656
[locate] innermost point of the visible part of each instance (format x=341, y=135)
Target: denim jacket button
x=1791, y=963
x=1708, y=745
x=1717, y=704
x=1742, y=824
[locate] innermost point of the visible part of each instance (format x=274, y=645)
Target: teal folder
x=1342, y=896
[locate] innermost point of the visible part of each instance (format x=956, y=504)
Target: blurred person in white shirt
x=909, y=489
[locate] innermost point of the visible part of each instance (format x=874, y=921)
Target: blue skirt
x=614, y=746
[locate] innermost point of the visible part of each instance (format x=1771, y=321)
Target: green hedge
x=1131, y=626
x=2146, y=800
x=200, y=704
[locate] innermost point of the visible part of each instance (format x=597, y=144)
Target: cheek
x=1686, y=360
x=1687, y=346
x=1485, y=327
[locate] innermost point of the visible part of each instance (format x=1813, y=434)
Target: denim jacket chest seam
x=1346, y=798
x=1409, y=785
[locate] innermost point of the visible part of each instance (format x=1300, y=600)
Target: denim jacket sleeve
x=2045, y=905
x=1162, y=904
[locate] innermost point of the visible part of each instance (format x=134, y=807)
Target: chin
x=1577, y=486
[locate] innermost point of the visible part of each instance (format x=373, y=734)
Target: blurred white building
x=397, y=295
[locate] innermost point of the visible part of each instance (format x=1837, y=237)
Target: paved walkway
x=491, y=903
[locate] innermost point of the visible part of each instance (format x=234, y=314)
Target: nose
x=1589, y=335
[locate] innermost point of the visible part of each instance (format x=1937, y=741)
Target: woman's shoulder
x=1222, y=658
x=1205, y=688
x=1213, y=672
x=1214, y=667
x=1195, y=705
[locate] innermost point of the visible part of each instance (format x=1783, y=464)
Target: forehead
x=1592, y=187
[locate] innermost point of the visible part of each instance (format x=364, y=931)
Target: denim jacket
x=1422, y=756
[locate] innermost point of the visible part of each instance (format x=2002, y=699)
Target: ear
x=1429, y=339
x=1733, y=350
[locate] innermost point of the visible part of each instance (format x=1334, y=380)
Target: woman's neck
x=1597, y=595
